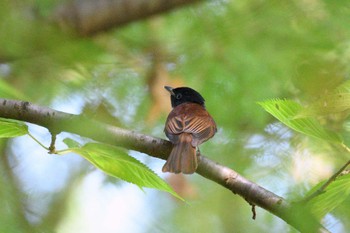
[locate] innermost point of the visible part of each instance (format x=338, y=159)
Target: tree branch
x=57, y=121
x=89, y=17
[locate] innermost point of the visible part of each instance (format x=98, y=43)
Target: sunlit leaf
x=329, y=104
x=116, y=162
x=286, y=112
x=10, y=128
x=336, y=101
x=332, y=103
x=335, y=194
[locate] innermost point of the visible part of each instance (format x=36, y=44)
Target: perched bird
x=188, y=125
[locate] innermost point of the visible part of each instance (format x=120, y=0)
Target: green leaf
x=71, y=143
x=328, y=104
x=286, y=111
x=336, y=101
x=116, y=162
x=335, y=194
x=11, y=128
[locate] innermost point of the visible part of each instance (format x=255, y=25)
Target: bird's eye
x=178, y=96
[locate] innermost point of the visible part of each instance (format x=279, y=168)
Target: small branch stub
x=253, y=211
x=52, y=148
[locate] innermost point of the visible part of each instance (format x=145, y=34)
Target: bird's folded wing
x=201, y=127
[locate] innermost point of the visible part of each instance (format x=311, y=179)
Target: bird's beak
x=170, y=89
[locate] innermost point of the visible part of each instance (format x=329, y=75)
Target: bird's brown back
x=190, y=118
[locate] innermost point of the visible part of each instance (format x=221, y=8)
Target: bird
x=188, y=125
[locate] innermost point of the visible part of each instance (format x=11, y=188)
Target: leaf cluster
x=305, y=120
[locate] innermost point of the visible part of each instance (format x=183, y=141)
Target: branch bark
x=89, y=17
x=57, y=121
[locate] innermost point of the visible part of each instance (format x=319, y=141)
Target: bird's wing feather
x=201, y=127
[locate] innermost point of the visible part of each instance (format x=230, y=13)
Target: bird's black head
x=182, y=95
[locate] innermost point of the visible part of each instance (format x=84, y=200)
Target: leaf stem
x=37, y=141
x=62, y=152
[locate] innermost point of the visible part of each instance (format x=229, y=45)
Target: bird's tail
x=183, y=156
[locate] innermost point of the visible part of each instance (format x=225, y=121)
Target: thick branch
x=57, y=121
x=90, y=16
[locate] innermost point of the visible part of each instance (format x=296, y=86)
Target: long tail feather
x=182, y=157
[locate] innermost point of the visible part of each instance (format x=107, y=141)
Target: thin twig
x=37, y=141
x=325, y=185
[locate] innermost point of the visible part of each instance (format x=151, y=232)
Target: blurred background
x=235, y=53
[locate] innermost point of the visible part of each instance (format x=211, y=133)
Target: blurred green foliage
x=236, y=53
